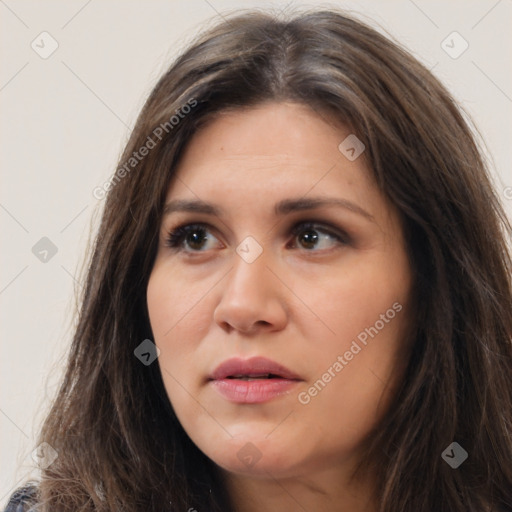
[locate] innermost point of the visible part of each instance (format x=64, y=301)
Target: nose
x=253, y=298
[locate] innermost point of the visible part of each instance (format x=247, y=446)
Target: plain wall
x=66, y=117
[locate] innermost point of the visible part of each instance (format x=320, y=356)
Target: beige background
x=65, y=119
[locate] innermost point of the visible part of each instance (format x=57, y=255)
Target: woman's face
x=295, y=257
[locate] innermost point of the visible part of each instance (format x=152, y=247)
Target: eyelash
x=175, y=238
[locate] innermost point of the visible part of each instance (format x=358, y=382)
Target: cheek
x=174, y=303
x=353, y=299
x=366, y=312
x=177, y=315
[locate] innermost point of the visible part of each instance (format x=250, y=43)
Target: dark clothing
x=24, y=499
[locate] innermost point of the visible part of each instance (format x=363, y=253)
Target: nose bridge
x=249, y=272
x=250, y=294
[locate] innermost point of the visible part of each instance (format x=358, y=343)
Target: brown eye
x=191, y=235
x=309, y=238
x=313, y=235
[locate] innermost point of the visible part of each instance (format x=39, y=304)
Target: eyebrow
x=281, y=208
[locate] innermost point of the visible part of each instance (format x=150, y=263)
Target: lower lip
x=252, y=391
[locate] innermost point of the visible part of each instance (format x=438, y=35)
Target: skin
x=300, y=303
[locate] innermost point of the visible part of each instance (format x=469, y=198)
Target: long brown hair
x=119, y=443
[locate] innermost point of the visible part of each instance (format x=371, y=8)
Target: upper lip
x=251, y=367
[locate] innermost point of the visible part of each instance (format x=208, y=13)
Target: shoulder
x=23, y=499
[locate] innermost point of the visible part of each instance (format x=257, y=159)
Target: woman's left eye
x=309, y=234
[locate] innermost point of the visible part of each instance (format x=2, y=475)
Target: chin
x=255, y=456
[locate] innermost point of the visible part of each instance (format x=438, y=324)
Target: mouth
x=254, y=377
x=253, y=380
x=251, y=369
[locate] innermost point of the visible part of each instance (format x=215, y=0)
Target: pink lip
x=252, y=391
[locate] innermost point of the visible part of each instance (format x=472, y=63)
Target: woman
x=299, y=297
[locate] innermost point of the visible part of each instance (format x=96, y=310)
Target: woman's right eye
x=193, y=235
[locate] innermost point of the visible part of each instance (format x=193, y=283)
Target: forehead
x=278, y=131
x=270, y=143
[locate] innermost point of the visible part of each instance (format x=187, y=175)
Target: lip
x=252, y=391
